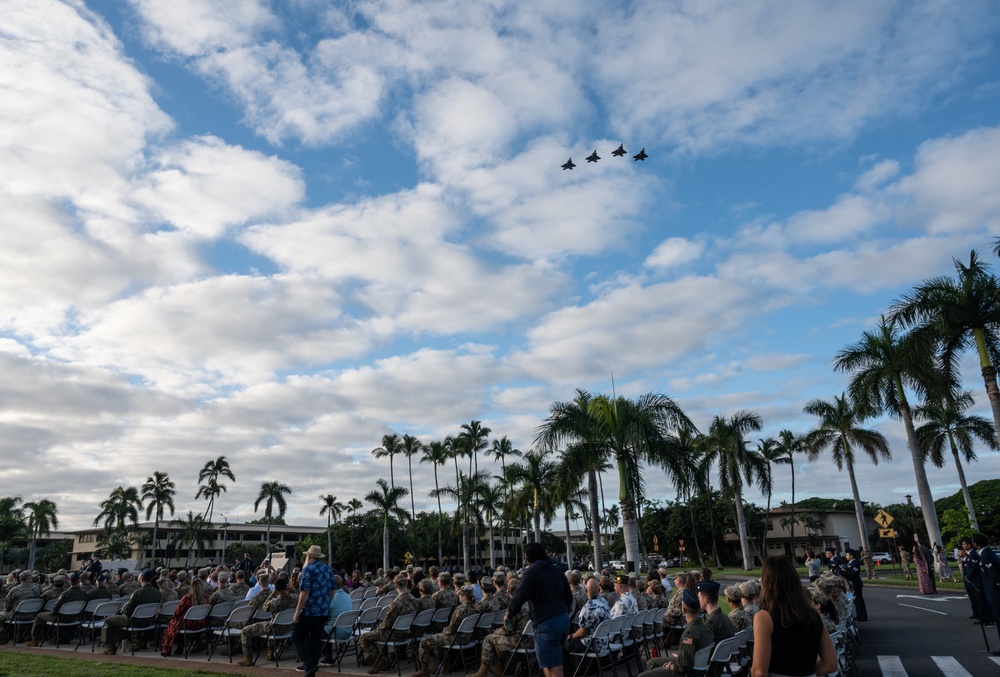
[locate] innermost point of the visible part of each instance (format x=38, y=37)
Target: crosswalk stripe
x=950, y=666
x=891, y=666
x=995, y=659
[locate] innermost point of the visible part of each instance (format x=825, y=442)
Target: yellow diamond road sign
x=887, y=533
x=883, y=519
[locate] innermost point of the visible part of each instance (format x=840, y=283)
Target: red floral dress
x=170, y=637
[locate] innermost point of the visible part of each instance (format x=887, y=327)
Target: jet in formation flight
x=568, y=164
x=641, y=155
x=618, y=152
x=593, y=157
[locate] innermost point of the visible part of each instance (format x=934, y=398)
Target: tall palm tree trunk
x=465, y=545
x=741, y=525
x=792, y=525
x=923, y=486
x=604, y=506
x=156, y=530
x=859, y=511
x=506, y=498
x=267, y=546
x=965, y=486
x=711, y=526
x=493, y=551
x=413, y=509
x=569, y=546
x=536, y=518
x=989, y=377
x=329, y=538
x=385, y=543
x=595, y=519
x=440, y=517
x=31, y=551
x=694, y=531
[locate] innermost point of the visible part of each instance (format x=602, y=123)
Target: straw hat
x=315, y=551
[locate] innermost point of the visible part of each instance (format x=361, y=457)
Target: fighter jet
x=568, y=164
x=593, y=157
x=641, y=155
x=620, y=151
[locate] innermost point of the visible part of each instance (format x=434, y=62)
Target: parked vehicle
x=881, y=558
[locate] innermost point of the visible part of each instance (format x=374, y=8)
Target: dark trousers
x=307, y=636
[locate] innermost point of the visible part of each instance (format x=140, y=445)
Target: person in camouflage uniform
x=505, y=639
x=167, y=594
x=27, y=589
x=750, y=590
x=224, y=593
x=432, y=647
x=129, y=585
x=656, y=595
x=426, y=599
x=608, y=591
x=278, y=601
x=57, y=588
x=240, y=587
x=641, y=602
x=490, y=601
x=904, y=560
x=579, y=592
x=738, y=616
x=500, y=580
x=402, y=605
x=183, y=583
x=86, y=583
x=869, y=562
x=384, y=589
x=445, y=597
x=380, y=578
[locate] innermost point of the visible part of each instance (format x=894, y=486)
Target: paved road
x=913, y=635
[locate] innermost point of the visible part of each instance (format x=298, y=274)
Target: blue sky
x=280, y=230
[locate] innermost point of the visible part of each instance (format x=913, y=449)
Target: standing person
x=989, y=575
x=832, y=561
x=941, y=564
x=869, y=562
x=904, y=563
x=245, y=565
x=968, y=562
x=545, y=586
x=852, y=572
x=316, y=588
x=924, y=578
x=789, y=636
x=813, y=564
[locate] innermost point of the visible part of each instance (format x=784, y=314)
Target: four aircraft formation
x=618, y=152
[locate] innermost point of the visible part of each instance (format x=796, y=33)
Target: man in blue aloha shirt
x=316, y=588
x=626, y=605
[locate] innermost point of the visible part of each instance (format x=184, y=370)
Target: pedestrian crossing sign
x=887, y=533
x=884, y=519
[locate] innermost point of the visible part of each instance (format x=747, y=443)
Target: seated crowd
x=691, y=620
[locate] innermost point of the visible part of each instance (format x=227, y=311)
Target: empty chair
x=94, y=624
x=368, y=603
x=346, y=624
x=723, y=654
x=358, y=593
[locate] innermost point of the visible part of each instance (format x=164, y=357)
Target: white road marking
x=995, y=659
x=891, y=666
x=950, y=666
x=932, y=599
x=923, y=609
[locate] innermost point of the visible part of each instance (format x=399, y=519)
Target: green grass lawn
x=24, y=665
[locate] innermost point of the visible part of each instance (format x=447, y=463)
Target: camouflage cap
x=467, y=591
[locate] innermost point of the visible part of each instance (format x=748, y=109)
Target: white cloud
x=674, y=251
x=193, y=28
x=202, y=186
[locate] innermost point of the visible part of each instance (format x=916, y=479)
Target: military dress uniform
x=719, y=624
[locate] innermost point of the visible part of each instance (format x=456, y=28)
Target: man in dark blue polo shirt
x=546, y=587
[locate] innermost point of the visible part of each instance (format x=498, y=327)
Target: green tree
x=42, y=519
x=531, y=477
x=725, y=442
x=961, y=313
x=12, y=523
x=354, y=505
x=195, y=532
x=436, y=454
x=211, y=488
x=272, y=494
x=790, y=444
x=55, y=555
x=386, y=501
x=882, y=365
x=476, y=438
x=158, y=492
x=391, y=445
x=120, y=514
x=840, y=430
x=332, y=509
x=411, y=445
x=503, y=449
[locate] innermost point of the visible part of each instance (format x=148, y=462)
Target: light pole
x=225, y=537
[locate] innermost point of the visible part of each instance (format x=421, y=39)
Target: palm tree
x=694, y=481
x=467, y=496
x=725, y=442
x=272, y=494
x=354, y=505
x=332, y=509
x=570, y=497
x=391, y=445
x=158, y=492
x=948, y=424
x=961, y=313
x=535, y=473
x=476, y=436
x=194, y=532
x=770, y=454
x=436, y=454
x=411, y=445
x=120, y=510
x=839, y=430
x=12, y=522
x=211, y=489
x=790, y=444
x=491, y=502
x=502, y=448
x=632, y=432
x=883, y=364
x=42, y=519
x=386, y=499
